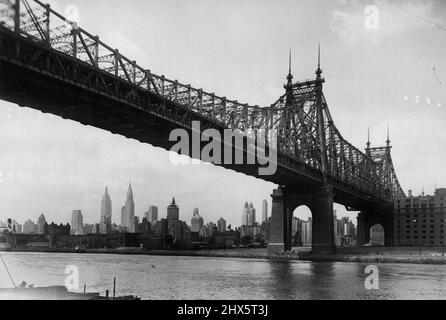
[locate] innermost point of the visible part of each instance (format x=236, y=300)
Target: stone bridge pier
x=368, y=218
x=285, y=201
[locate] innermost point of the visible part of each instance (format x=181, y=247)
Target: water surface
x=172, y=277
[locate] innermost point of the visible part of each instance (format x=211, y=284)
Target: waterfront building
x=307, y=232
x=77, y=222
x=96, y=228
x=221, y=225
x=420, y=220
x=88, y=228
x=145, y=227
x=105, y=227
x=29, y=227
x=173, y=211
x=152, y=214
x=160, y=228
x=106, y=208
x=250, y=231
x=54, y=229
x=251, y=215
x=135, y=225
x=41, y=221
x=296, y=227
x=245, y=214
x=128, y=212
x=179, y=231
x=248, y=215
x=208, y=230
x=196, y=222
x=264, y=210
x=13, y=226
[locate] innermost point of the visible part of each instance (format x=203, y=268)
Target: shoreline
x=438, y=259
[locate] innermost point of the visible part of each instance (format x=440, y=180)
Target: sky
x=385, y=70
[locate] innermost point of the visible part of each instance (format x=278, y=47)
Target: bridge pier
x=368, y=218
x=361, y=234
x=320, y=202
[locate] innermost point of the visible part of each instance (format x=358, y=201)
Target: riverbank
x=363, y=255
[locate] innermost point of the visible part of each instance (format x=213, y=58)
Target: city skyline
x=173, y=204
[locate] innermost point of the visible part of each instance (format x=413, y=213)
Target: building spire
x=319, y=70
x=290, y=76
x=368, y=138
x=388, y=136
x=130, y=191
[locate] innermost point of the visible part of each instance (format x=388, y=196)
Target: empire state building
x=128, y=212
x=106, y=208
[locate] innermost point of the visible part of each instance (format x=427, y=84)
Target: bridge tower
x=383, y=213
x=318, y=198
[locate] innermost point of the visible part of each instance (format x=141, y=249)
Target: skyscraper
x=245, y=214
x=151, y=215
x=128, y=212
x=29, y=227
x=307, y=232
x=41, y=223
x=77, y=223
x=251, y=215
x=264, y=210
x=106, y=207
x=221, y=225
x=196, y=221
x=173, y=212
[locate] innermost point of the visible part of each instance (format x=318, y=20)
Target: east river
x=190, y=278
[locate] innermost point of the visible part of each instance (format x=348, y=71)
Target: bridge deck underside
x=149, y=120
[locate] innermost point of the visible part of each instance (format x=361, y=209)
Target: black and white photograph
x=243, y=152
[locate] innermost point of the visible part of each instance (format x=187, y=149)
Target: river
x=190, y=278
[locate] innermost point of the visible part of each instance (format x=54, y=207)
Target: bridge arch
x=372, y=218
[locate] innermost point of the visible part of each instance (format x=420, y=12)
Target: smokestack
x=410, y=193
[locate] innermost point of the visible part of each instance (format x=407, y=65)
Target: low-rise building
x=420, y=220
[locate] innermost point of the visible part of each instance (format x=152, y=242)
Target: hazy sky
x=394, y=75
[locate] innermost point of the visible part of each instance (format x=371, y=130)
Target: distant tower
x=264, y=210
x=245, y=214
x=41, y=224
x=251, y=215
x=152, y=214
x=173, y=211
x=106, y=207
x=128, y=211
x=77, y=223
x=196, y=222
x=221, y=225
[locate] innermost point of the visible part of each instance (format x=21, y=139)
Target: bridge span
x=51, y=64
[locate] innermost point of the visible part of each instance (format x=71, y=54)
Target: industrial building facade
x=420, y=220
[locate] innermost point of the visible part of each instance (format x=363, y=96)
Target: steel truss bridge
x=51, y=64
